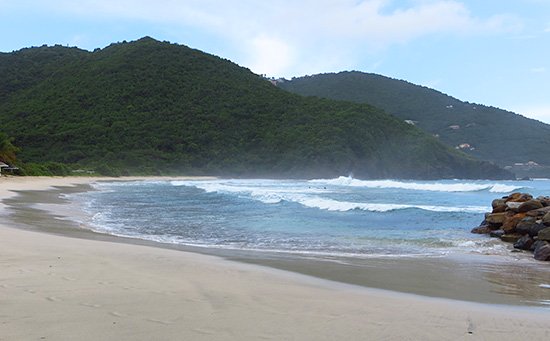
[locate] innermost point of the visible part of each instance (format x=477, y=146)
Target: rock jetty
x=520, y=219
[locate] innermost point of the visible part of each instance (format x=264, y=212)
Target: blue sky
x=493, y=52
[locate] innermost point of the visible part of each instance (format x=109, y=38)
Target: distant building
x=2, y=166
x=5, y=167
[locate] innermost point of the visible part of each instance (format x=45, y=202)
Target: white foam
x=271, y=193
x=433, y=186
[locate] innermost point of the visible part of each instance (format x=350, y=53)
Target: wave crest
x=434, y=186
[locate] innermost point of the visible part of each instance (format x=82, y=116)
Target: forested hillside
x=484, y=132
x=150, y=107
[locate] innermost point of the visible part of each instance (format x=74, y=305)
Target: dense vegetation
x=150, y=107
x=493, y=134
x=7, y=149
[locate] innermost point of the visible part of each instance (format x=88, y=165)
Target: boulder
x=525, y=224
x=498, y=202
x=520, y=197
x=497, y=233
x=499, y=209
x=546, y=219
x=544, y=234
x=512, y=197
x=482, y=229
x=510, y=222
x=535, y=229
x=524, y=243
x=539, y=212
x=529, y=206
x=510, y=238
x=536, y=244
x=495, y=219
x=542, y=252
x=513, y=205
x=544, y=200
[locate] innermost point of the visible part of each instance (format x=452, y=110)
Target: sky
x=491, y=52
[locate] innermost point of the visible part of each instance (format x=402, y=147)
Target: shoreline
x=263, y=297
x=515, y=280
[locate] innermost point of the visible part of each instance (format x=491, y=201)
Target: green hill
x=150, y=107
x=492, y=134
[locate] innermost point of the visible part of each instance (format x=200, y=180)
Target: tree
x=7, y=149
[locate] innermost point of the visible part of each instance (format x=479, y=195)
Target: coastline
x=105, y=289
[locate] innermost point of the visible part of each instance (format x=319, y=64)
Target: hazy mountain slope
x=493, y=134
x=154, y=107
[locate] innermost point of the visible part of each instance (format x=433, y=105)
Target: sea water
x=326, y=217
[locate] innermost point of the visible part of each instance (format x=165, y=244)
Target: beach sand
x=54, y=287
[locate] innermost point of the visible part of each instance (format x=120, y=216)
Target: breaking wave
x=308, y=197
x=434, y=186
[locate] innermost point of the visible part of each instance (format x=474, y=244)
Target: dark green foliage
x=496, y=135
x=45, y=169
x=148, y=107
x=7, y=149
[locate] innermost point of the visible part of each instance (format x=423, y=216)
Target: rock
x=525, y=197
x=536, y=244
x=542, y=252
x=544, y=234
x=482, y=229
x=529, y=206
x=535, y=229
x=539, y=212
x=524, y=243
x=520, y=197
x=498, y=202
x=497, y=233
x=512, y=197
x=525, y=224
x=513, y=205
x=521, y=220
x=510, y=238
x=544, y=200
x=511, y=222
x=496, y=219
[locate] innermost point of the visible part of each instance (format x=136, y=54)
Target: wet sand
x=59, y=287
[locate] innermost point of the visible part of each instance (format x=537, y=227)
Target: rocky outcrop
x=521, y=220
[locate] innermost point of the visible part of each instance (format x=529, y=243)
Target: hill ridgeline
x=150, y=107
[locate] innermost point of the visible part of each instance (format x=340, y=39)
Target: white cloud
x=292, y=37
x=270, y=55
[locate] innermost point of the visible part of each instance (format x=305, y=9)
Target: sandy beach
x=55, y=287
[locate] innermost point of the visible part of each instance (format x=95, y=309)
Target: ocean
x=340, y=217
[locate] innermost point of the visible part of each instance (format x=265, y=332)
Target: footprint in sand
x=91, y=305
x=471, y=326
x=69, y=279
x=117, y=314
x=204, y=331
x=53, y=299
x=159, y=321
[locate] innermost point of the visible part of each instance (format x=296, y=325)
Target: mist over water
x=336, y=217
